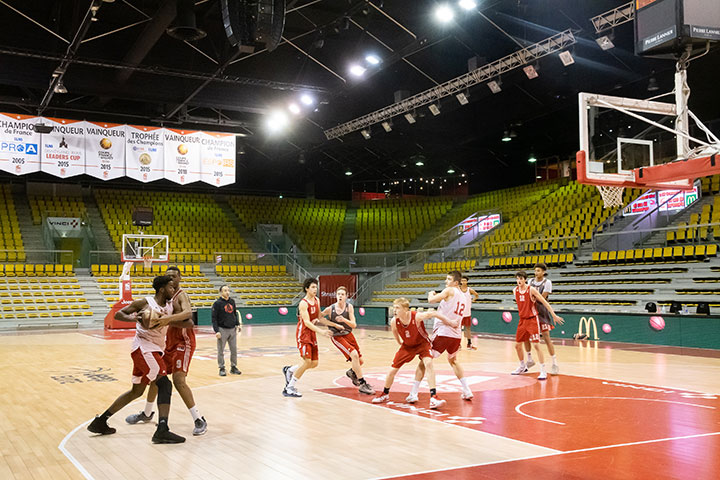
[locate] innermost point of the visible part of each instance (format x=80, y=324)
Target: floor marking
x=70, y=456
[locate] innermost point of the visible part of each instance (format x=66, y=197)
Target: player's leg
x=520, y=336
x=147, y=414
x=179, y=379
x=467, y=324
x=460, y=374
x=419, y=374
x=541, y=359
x=163, y=433
x=232, y=343
x=309, y=354
x=389, y=379
x=363, y=387
x=554, y=368
x=529, y=362
x=435, y=401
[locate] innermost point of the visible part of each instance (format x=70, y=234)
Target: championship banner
x=104, y=150
x=182, y=155
x=63, y=149
x=217, y=158
x=144, y=153
x=330, y=283
x=19, y=144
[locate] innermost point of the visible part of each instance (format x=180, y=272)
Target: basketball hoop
x=147, y=261
x=612, y=195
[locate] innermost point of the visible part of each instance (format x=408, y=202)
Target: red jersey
x=303, y=333
x=525, y=302
x=179, y=336
x=412, y=335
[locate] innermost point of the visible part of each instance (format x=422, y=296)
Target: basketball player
x=147, y=353
x=179, y=349
x=409, y=332
x=467, y=320
x=447, y=337
x=342, y=321
x=308, y=315
x=529, y=325
x=544, y=287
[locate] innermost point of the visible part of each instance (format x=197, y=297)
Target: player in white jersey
x=467, y=318
x=153, y=315
x=446, y=337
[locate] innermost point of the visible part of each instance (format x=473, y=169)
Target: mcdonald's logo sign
x=585, y=324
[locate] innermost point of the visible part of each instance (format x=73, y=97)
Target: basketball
x=283, y=311
x=657, y=323
x=474, y=321
x=507, y=317
x=150, y=316
x=606, y=328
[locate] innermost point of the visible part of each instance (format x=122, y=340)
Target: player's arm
x=182, y=304
x=422, y=316
x=351, y=313
x=131, y=312
x=305, y=316
x=474, y=294
x=174, y=320
x=324, y=319
x=437, y=297
x=541, y=299
x=393, y=327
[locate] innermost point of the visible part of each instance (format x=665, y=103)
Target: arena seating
x=688, y=253
x=11, y=243
x=196, y=225
x=390, y=225
x=529, y=261
x=444, y=267
x=58, y=206
x=688, y=232
x=315, y=225
x=260, y=284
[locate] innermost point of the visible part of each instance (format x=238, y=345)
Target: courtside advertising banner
x=19, y=144
x=217, y=158
x=182, y=155
x=330, y=283
x=63, y=149
x=105, y=150
x=144, y=159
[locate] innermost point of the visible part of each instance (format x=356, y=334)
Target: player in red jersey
x=529, y=325
x=179, y=348
x=470, y=294
x=308, y=315
x=409, y=331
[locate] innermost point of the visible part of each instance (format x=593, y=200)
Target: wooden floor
x=609, y=408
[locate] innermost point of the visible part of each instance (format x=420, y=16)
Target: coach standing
x=226, y=323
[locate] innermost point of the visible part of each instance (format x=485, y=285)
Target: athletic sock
x=522, y=363
x=529, y=356
x=293, y=368
x=542, y=367
x=293, y=381
x=148, y=408
x=194, y=412
x=415, y=387
x=386, y=391
x=554, y=359
x=463, y=382
x=433, y=392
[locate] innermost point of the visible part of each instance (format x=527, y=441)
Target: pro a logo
x=13, y=147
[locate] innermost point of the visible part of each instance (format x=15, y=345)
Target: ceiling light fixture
x=410, y=117
x=294, y=108
x=450, y=171
x=60, y=87
x=372, y=59
x=434, y=109
x=444, y=14
x=462, y=98
x=467, y=4
x=532, y=158
x=530, y=71
x=506, y=136
x=357, y=70
x=566, y=58
x=365, y=133
x=306, y=99
x=386, y=126
x=348, y=173
x=494, y=86
x=605, y=42
x=277, y=121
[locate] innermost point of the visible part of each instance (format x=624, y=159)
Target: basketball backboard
x=140, y=247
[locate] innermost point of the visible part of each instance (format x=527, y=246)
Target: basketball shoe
x=411, y=398
x=164, y=435
x=291, y=392
x=99, y=425
x=435, y=402
x=381, y=398
x=351, y=375
x=288, y=374
x=200, y=426
x=554, y=370
x=139, y=417
x=366, y=388
x=521, y=369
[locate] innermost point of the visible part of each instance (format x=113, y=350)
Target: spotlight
x=60, y=87
x=566, y=58
x=276, y=121
x=506, y=136
x=419, y=163
x=462, y=98
x=306, y=99
x=605, y=42
x=372, y=59
x=434, y=109
x=467, y=4
x=532, y=158
x=294, y=108
x=530, y=71
x=410, y=118
x=444, y=14
x=365, y=133
x=450, y=171
x=387, y=126
x=348, y=173
x=494, y=86
x=357, y=70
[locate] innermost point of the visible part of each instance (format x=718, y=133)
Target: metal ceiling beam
x=515, y=60
x=314, y=59
x=34, y=21
x=612, y=18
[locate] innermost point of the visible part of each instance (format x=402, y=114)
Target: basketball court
x=609, y=408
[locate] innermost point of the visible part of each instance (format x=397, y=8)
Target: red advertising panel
x=330, y=283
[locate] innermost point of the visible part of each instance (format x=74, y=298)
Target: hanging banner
x=104, y=150
x=63, y=149
x=144, y=153
x=329, y=285
x=217, y=158
x=19, y=144
x=182, y=155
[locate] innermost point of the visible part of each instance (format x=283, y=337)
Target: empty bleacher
x=260, y=284
x=676, y=254
x=55, y=206
x=11, y=243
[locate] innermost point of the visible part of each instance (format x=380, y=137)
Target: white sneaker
x=436, y=402
x=467, y=395
x=381, y=398
x=555, y=370
x=411, y=398
x=519, y=370
x=291, y=392
x=530, y=363
x=543, y=375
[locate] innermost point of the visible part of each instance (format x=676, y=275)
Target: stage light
x=566, y=58
x=60, y=87
x=306, y=99
x=410, y=118
x=444, y=14
x=494, y=86
x=366, y=133
x=372, y=59
x=530, y=71
x=605, y=42
x=462, y=98
x=467, y=4
x=294, y=108
x=357, y=70
x=387, y=126
x=276, y=121
x=434, y=109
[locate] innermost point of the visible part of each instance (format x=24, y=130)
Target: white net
x=612, y=195
x=147, y=261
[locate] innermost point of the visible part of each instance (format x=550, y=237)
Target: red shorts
x=546, y=327
x=528, y=329
x=147, y=367
x=308, y=350
x=346, y=344
x=467, y=322
x=445, y=344
x=179, y=358
x=407, y=354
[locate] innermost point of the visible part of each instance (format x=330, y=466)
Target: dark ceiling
x=141, y=75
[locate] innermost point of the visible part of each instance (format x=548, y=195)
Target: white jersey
x=453, y=309
x=152, y=340
x=468, y=303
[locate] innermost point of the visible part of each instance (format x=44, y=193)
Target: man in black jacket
x=226, y=323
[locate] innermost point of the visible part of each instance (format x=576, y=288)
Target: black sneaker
x=99, y=425
x=164, y=435
x=351, y=375
x=222, y=372
x=235, y=371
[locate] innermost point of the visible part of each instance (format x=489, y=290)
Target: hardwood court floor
x=612, y=413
